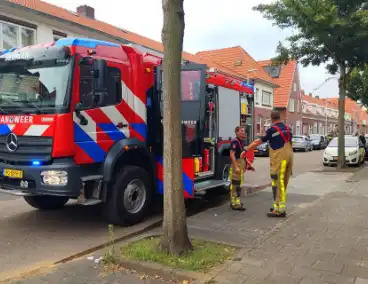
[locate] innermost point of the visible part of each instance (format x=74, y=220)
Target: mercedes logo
x=11, y=142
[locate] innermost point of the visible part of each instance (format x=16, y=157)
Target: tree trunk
x=341, y=140
x=175, y=238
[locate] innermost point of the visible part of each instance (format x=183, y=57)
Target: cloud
x=210, y=24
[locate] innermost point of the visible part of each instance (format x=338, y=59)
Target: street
x=303, y=162
x=31, y=238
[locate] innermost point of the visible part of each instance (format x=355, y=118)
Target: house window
x=291, y=105
x=12, y=35
x=58, y=35
x=258, y=99
x=295, y=89
x=266, y=98
x=298, y=127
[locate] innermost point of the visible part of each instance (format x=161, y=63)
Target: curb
x=116, y=240
x=249, y=189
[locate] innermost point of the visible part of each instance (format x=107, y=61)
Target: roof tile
x=285, y=81
x=238, y=60
x=106, y=28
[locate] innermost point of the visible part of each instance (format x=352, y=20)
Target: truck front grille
x=30, y=148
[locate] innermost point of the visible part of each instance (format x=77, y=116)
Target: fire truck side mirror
x=99, y=76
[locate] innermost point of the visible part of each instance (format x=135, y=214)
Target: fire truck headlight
x=54, y=177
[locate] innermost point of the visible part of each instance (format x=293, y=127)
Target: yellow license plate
x=256, y=151
x=12, y=173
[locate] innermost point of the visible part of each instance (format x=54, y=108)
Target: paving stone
x=348, y=259
x=235, y=267
x=236, y=278
x=355, y=271
x=222, y=279
x=252, y=261
x=337, y=278
x=329, y=266
x=361, y=281
x=256, y=273
x=313, y=281
x=304, y=272
x=283, y=278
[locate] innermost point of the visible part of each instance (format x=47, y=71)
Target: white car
x=354, y=152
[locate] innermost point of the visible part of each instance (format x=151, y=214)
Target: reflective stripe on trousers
x=281, y=162
x=236, y=182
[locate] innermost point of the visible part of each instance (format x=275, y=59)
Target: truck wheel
x=130, y=197
x=46, y=202
x=222, y=173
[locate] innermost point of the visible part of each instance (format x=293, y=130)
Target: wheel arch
x=129, y=152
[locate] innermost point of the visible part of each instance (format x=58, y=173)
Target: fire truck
x=82, y=119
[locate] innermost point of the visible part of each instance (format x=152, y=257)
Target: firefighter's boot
x=276, y=214
x=236, y=204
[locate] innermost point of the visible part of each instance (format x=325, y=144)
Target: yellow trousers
x=236, y=182
x=281, y=165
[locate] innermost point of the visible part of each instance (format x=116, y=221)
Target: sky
x=209, y=24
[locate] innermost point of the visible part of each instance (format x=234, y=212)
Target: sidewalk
x=326, y=243
x=323, y=240
x=84, y=271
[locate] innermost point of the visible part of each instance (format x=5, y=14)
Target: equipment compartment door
x=229, y=112
x=192, y=113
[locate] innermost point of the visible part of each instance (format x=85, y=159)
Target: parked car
x=302, y=143
x=354, y=151
x=318, y=141
x=262, y=150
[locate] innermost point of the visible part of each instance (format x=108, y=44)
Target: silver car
x=302, y=143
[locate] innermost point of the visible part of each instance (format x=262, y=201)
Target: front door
x=103, y=124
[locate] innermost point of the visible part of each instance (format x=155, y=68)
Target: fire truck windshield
x=35, y=86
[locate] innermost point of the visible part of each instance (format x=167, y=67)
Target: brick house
x=239, y=61
x=319, y=115
x=287, y=97
x=355, y=115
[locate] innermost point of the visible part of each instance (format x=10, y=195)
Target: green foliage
x=357, y=85
x=110, y=254
x=326, y=31
x=204, y=256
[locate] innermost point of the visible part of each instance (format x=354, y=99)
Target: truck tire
x=46, y=202
x=129, y=198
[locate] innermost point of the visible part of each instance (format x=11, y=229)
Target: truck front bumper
x=32, y=183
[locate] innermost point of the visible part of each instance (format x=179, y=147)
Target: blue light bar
x=84, y=42
x=7, y=51
x=36, y=163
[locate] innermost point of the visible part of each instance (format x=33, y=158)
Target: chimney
x=310, y=94
x=86, y=11
x=317, y=97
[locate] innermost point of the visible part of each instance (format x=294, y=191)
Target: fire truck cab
x=82, y=119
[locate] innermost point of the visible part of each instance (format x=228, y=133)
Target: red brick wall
x=292, y=117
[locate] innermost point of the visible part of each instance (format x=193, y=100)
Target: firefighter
x=237, y=168
x=281, y=161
